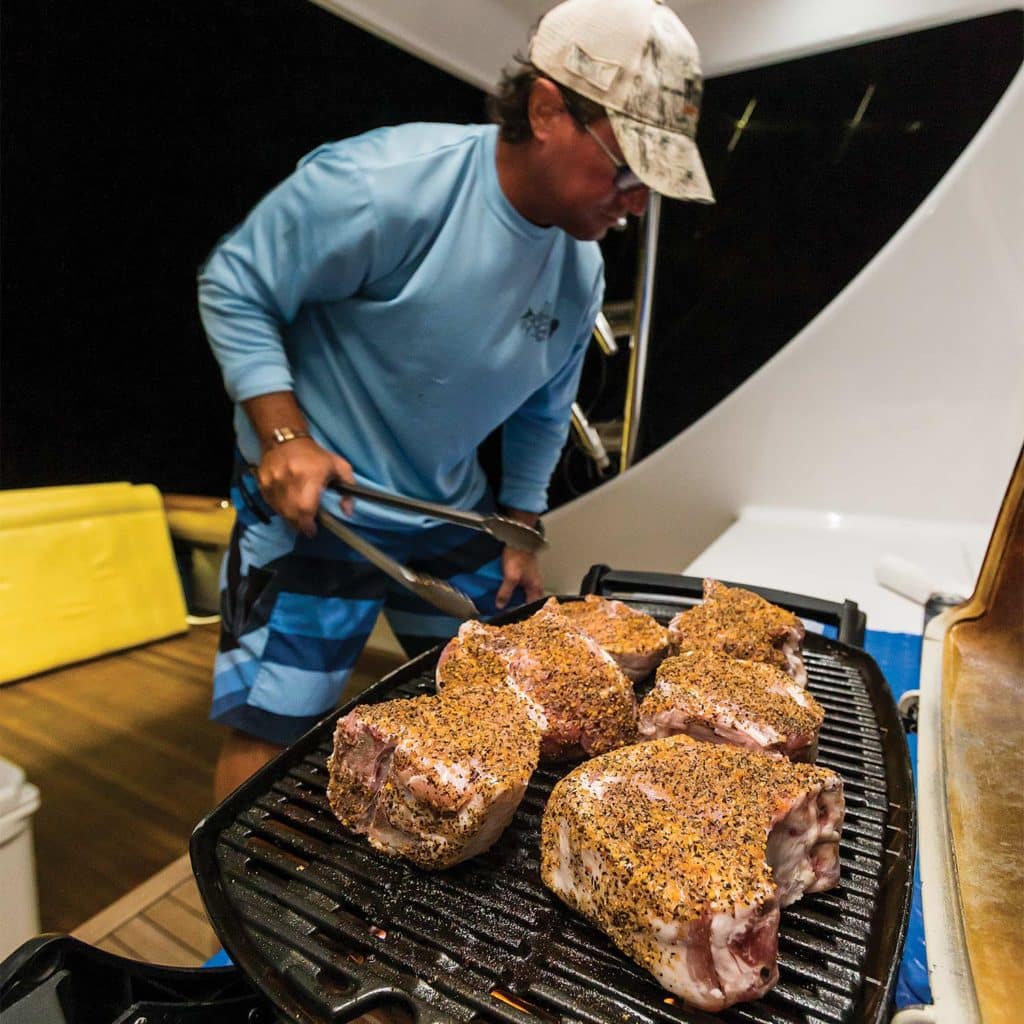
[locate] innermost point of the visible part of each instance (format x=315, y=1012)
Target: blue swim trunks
x=296, y=612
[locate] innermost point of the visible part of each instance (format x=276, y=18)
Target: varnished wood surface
x=983, y=726
x=123, y=754
x=161, y=922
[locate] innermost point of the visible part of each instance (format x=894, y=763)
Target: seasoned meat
x=429, y=779
x=634, y=639
x=744, y=625
x=571, y=688
x=683, y=854
x=712, y=697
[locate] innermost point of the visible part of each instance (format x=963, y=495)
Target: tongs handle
x=502, y=528
x=473, y=520
x=508, y=531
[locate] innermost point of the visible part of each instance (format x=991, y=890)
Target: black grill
x=328, y=928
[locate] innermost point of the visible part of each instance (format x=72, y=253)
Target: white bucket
x=19, y=904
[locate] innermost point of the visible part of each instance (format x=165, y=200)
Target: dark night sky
x=135, y=134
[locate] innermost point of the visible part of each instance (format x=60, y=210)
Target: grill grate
x=328, y=928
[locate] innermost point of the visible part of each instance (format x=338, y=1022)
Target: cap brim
x=667, y=162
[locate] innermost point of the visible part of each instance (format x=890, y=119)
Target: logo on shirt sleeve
x=540, y=325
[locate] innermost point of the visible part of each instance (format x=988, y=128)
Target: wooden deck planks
x=122, y=751
x=123, y=754
x=188, y=928
x=149, y=942
x=161, y=921
x=188, y=894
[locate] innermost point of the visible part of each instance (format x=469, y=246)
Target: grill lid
x=328, y=928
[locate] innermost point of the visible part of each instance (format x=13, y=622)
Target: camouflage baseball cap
x=636, y=59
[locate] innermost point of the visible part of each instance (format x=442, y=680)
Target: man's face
x=586, y=200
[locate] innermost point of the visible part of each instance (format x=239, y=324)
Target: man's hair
x=509, y=106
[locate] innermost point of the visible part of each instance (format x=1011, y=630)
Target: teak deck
x=123, y=754
x=162, y=921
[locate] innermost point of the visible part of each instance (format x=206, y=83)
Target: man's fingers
x=519, y=569
x=306, y=525
x=504, y=593
x=343, y=473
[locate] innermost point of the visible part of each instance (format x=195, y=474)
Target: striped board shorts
x=296, y=611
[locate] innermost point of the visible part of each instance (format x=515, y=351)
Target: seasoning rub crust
x=712, y=697
x=683, y=853
x=743, y=625
x=577, y=695
x=636, y=641
x=431, y=779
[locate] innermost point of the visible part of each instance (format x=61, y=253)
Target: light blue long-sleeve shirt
x=390, y=284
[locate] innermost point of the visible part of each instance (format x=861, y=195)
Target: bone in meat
x=433, y=780
x=636, y=641
x=712, y=697
x=683, y=854
x=743, y=625
x=577, y=695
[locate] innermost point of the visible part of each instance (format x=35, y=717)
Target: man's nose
x=634, y=201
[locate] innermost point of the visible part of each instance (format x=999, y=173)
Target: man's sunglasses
x=626, y=180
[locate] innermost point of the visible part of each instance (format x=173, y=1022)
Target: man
x=384, y=309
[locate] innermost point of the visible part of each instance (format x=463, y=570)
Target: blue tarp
x=899, y=657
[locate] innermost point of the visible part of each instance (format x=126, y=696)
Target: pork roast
x=430, y=779
x=712, y=697
x=743, y=625
x=683, y=854
x=636, y=641
x=574, y=691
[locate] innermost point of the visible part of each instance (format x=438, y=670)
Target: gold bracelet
x=282, y=434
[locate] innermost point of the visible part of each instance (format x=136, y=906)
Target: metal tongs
x=437, y=592
x=441, y=595
x=508, y=531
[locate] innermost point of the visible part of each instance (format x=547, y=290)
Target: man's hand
x=520, y=569
x=293, y=474
x=292, y=477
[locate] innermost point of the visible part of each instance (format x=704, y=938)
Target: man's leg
x=241, y=756
x=296, y=613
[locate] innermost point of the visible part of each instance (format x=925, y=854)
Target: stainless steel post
x=646, y=260
x=604, y=335
x=589, y=438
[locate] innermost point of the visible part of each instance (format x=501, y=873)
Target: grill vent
x=328, y=928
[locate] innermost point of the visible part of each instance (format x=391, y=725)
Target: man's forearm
x=271, y=412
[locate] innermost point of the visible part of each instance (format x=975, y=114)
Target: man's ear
x=545, y=106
